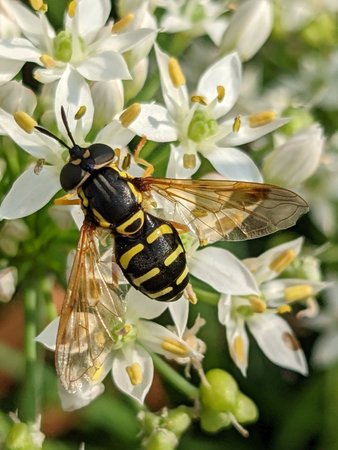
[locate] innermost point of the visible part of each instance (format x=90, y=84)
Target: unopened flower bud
x=161, y=439
x=178, y=420
x=245, y=410
x=221, y=392
x=213, y=421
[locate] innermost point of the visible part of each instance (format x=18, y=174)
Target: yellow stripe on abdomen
x=160, y=293
x=147, y=276
x=158, y=232
x=139, y=215
x=182, y=276
x=129, y=255
x=174, y=255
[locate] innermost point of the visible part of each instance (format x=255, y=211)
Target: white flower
x=196, y=125
x=129, y=361
x=297, y=159
x=8, y=26
x=249, y=28
x=259, y=312
x=16, y=97
x=86, y=45
x=8, y=280
x=325, y=350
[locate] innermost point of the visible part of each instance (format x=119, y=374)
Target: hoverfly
x=143, y=216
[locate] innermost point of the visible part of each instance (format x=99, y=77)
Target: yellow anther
x=298, y=292
x=72, y=8
x=135, y=374
x=283, y=309
x=175, y=72
x=173, y=346
x=261, y=118
x=80, y=112
x=37, y=5
x=130, y=114
x=95, y=373
x=199, y=99
x=48, y=61
x=220, y=93
x=238, y=348
x=257, y=304
x=25, y=121
x=122, y=23
x=237, y=124
x=282, y=261
x=189, y=161
x=126, y=329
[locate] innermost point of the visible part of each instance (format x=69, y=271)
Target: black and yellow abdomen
x=148, y=249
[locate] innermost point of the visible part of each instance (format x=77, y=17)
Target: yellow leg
x=67, y=200
x=149, y=167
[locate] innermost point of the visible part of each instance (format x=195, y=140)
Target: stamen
x=175, y=72
x=189, y=161
x=261, y=118
x=199, y=99
x=48, y=61
x=281, y=262
x=72, y=8
x=220, y=93
x=25, y=121
x=130, y=114
x=37, y=5
x=189, y=293
x=80, y=112
x=238, y=348
x=237, y=124
x=135, y=374
x=298, y=292
x=173, y=346
x=283, y=309
x=126, y=329
x=122, y=23
x=258, y=305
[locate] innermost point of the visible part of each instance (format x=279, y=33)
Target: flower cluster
x=180, y=77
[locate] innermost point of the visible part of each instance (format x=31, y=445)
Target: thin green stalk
x=28, y=409
x=174, y=378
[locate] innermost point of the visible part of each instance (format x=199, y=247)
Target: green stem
x=211, y=298
x=174, y=378
x=28, y=410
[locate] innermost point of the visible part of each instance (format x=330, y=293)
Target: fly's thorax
x=111, y=199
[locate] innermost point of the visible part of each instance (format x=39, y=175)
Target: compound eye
x=101, y=154
x=71, y=176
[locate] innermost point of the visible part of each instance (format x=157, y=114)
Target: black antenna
x=48, y=133
x=65, y=122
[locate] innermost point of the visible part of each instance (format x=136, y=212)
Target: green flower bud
x=63, y=46
x=213, y=421
x=178, y=420
x=299, y=118
x=245, y=410
x=201, y=127
x=161, y=440
x=321, y=32
x=149, y=421
x=221, y=393
x=19, y=438
x=198, y=13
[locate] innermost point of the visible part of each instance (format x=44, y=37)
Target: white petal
x=91, y=17
x=226, y=72
x=71, y=402
x=108, y=100
x=179, y=311
x=277, y=341
x=106, y=66
x=141, y=306
x=223, y=271
x=8, y=69
x=233, y=164
x=175, y=168
x=126, y=357
x=215, y=29
x=261, y=266
x=47, y=337
x=47, y=76
x=115, y=135
x=30, y=192
x=155, y=123
x=72, y=92
x=325, y=350
x=19, y=49
x=16, y=97
x=247, y=133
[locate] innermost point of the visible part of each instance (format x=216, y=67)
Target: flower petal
x=223, y=271
x=175, y=168
x=30, y=192
x=47, y=337
x=19, y=49
x=8, y=69
x=105, y=66
x=155, y=123
x=179, y=311
x=233, y=164
x=227, y=73
x=129, y=355
x=91, y=17
x=16, y=97
x=115, y=135
x=141, y=306
x=277, y=341
x=71, y=402
x=108, y=100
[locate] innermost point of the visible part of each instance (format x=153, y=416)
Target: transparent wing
x=93, y=308
x=217, y=209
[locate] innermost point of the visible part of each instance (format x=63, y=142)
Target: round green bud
x=149, y=421
x=299, y=118
x=63, y=46
x=213, y=421
x=19, y=438
x=178, y=420
x=221, y=393
x=161, y=440
x=245, y=410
